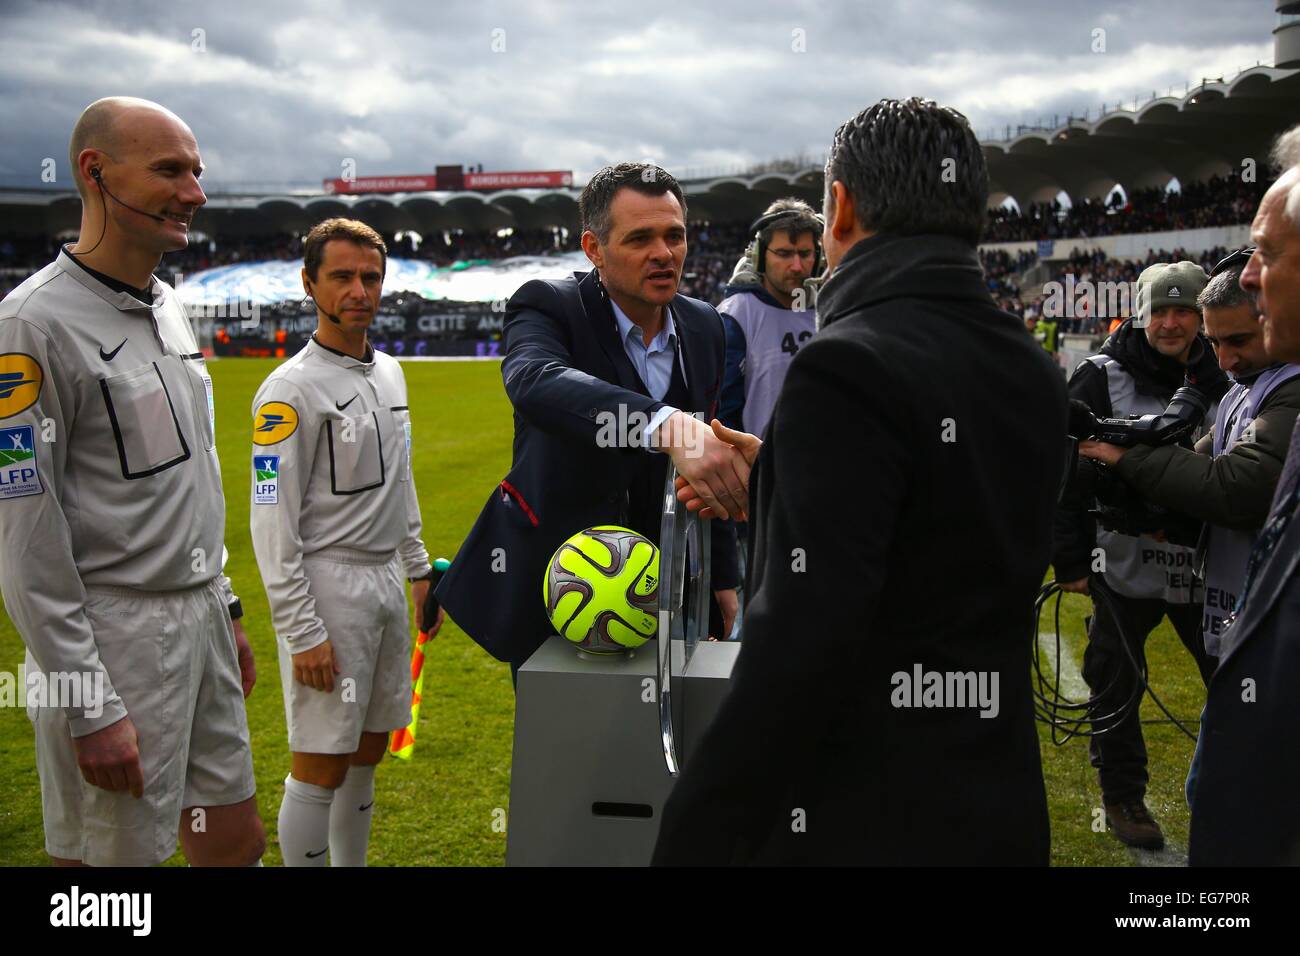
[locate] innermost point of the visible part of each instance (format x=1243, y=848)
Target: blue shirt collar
x=660, y=342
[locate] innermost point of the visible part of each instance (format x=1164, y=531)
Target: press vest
x=1142, y=567
x=773, y=336
x=1228, y=549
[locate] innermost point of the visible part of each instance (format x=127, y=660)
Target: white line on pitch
x=1073, y=686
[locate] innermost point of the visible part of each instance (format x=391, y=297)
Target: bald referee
x=112, y=519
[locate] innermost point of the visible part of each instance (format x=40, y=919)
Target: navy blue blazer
x=564, y=365
x=1246, y=808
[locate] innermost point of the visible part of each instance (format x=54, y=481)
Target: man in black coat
x=880, y=709
x=604, y=370
x=1245, y=810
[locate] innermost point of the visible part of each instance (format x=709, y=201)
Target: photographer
x=1136, y=575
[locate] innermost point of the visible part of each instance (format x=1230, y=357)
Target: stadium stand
x=714, y=248
x=1218, y=201
x=1094, y=266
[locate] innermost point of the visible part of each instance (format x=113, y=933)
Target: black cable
x=103, y=228
x=1048, y=709
x=1142, y=673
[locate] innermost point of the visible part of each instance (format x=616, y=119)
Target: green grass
x=1072, y=791
x=438, y=808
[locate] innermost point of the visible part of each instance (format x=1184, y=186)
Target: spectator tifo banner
x=237, y=287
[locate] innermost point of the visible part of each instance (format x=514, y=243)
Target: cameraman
x=1228, y=481
x=1142, y=577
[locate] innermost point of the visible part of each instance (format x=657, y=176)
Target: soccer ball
x=602, y=590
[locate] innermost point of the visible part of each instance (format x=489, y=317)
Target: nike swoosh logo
x=342, y=405
x=109, y=356
x=312, y=856
x=367, y=806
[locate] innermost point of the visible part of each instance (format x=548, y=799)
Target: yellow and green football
x=602, y=590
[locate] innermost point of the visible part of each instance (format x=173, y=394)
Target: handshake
x=713, y=464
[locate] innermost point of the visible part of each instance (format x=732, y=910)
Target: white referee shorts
x=172, y=659
x=361, y=599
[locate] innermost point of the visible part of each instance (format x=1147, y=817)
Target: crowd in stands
x=1218, y=201
x=1095, y=267
x=1001, y=272
x=714, y=248
x=712, y=251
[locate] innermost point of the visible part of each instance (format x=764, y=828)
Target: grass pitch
x=440, y=808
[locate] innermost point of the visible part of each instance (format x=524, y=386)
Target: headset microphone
x=98, y=177
x=333, y=318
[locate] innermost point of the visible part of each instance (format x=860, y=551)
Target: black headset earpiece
x=312, y=295
x=760, y=247
x=95, y=174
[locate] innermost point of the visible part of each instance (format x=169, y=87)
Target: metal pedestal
x=588, y=780
x=599, y=740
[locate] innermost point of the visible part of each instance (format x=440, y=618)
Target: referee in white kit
x=112, y=519
x=336, y=528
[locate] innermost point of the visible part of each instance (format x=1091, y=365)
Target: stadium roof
x=1210, y=130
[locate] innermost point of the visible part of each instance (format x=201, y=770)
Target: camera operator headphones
x=1232, y=260
x=756, y=251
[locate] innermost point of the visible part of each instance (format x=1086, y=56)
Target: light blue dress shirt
x=654, y=363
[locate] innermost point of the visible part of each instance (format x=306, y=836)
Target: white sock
x=350, y=817
x=304, y=823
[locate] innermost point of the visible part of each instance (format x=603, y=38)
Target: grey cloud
x=577, y=85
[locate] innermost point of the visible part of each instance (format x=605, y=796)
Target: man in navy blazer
x=605, y=371
x=1245, y=803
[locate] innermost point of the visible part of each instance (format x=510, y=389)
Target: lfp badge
x=266, y=479
x=18, y=475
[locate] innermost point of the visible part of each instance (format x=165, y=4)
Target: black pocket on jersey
x=145, y=427
x=356, y=454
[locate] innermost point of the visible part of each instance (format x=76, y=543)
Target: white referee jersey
x=108, y=467
x=331, y=469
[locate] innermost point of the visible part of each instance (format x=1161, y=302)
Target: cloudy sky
x=284, y=97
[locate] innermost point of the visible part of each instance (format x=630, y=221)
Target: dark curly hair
x=911, y=167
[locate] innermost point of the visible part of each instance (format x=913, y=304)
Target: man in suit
x=1244, y=807
x=605, y=371
x=880, y=708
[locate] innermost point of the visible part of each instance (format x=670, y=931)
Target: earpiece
x=757, y=249
x=310, y=295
